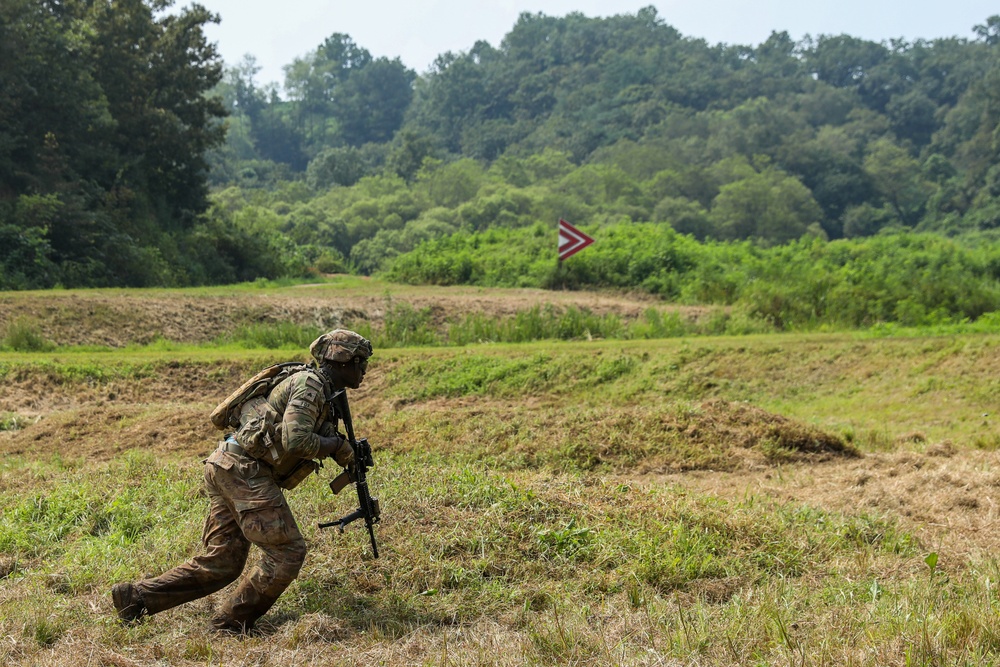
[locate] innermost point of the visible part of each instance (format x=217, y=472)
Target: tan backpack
x=227, y=415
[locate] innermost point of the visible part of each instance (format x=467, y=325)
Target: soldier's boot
x=225, y=625
x=239, y=614
x=128, y=603
x=258, y=591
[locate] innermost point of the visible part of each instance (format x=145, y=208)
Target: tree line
x=358, y=164
x=104, y=129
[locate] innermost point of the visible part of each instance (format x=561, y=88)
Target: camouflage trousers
x=247, y=508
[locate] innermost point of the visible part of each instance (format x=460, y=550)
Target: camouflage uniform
x=247, y=507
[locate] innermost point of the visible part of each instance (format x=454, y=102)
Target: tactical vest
x=257, y=423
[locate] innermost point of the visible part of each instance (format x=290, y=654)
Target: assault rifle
x=368, y=508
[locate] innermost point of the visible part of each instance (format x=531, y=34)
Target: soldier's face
x=350, y=374
x=360, y=368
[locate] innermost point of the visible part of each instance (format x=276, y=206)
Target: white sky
x=276, y=32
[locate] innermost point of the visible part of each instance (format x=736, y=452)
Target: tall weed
x=273, y=336
x=24, y=335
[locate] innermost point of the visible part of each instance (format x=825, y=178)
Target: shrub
x=23, y=335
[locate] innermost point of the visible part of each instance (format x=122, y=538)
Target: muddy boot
x=128, y=603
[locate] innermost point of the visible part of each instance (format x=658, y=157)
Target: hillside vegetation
x=730, y=151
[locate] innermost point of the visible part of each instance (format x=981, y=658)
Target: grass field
x=793, y=499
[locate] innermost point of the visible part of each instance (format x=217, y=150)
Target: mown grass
x=869, y=390
x=404, y=326
x=938, y=386
x=518, y=528
x=566, y=569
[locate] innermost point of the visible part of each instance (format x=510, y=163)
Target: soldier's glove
x=338, y=448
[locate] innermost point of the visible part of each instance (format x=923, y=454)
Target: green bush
x=24, y=335
x=908, y=278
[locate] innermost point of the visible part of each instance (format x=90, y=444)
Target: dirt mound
x=102, y=433
x=33, y=391
x=774, y=437
x=116, y=319
x=643, y=439
x=163, y=407
x=724, y=435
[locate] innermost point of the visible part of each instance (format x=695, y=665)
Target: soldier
x=247, y=504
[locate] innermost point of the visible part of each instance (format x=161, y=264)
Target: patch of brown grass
x=102, y=433
x=951, y=503
x=116, y=319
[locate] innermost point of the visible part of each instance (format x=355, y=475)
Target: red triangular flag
x=571, y=240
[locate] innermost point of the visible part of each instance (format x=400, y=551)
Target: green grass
x=278, y=336
x=937, y=386
x=520, y=524
x=867, y=389
x=561, y=562
x=23, y=334
x=11, y=421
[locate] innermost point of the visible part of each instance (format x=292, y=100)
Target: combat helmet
x=340, y=346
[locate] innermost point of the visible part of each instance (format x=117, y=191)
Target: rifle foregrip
x=343, y=521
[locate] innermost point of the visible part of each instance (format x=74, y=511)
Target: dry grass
x=757, y=501
x=947, y=498
x=116, y=318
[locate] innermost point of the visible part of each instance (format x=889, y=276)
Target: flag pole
x=559, y=260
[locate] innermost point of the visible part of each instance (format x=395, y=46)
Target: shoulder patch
x=313, y=381
x=307, y=387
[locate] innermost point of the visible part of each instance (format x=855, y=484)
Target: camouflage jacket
x=301, y=400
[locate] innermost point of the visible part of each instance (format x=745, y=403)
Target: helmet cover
x=340, y=346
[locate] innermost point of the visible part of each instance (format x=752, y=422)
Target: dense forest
x=104, y=127
x=708, y=173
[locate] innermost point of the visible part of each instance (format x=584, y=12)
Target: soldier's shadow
x=351, y=616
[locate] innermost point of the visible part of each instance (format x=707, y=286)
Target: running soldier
x=245, y=483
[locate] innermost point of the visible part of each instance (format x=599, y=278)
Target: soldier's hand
x=345, y=455
x=338, y=448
